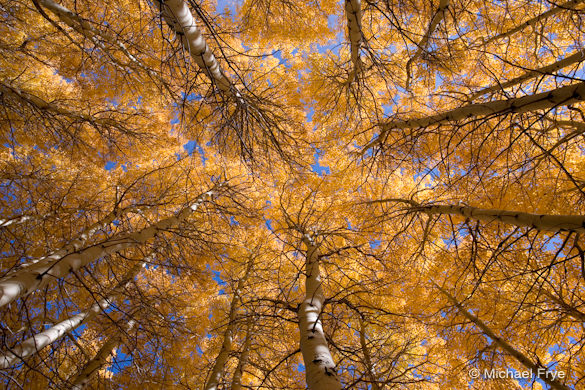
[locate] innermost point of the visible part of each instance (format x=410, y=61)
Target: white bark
x=17, y=220
x=543, y=222
x=93, y=34
x=36, y=276
x=39, y=341
x=81, y=380
x=537, y=368
x=422, y=45
x=40, y=104
x=178, y=17
x=86, y=234
x=557, y=97
x=226, y=347
x=549, y=69
x=319, y=366
x=353, y=13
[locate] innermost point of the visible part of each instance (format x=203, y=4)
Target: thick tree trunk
x=537, y=369
x=546, y=100
x=353, y=13
x=36, y=276
x=39, y=341
x=422, y=45
x=549, y=69
x=178, y=17
x=319, y=366
x=81, y=380
x=226, y=347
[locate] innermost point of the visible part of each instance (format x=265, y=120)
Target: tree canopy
x=268, y=194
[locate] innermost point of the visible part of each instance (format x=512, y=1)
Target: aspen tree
x=537, y=368
x=353, y=14
x=45, y=338
x=226, y=346
x=543, y=222
x=81, y=380
x=319, y=366
x=39, y=274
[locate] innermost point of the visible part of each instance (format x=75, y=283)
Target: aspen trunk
x=531, y=22
x=38, y=275
x=579, y=129
x=353, y=13
x=367, y=356
x=82, y=238
x=319, y=366
x=87, y=30
x=239, y=372
x=536, y=368
x=556, y=299
x=549, y=69
x=178, y=17
x=543, y=222
x=17, y=220
x=541, y=101
x=81, y=380
x=422, y=45
x=226, y=347
x=39, y=341
x=24, y=97
x=570, y=310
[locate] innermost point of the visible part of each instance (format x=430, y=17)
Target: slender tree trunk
x=87, y=30
x=226, y=347
x=567, y=308
x=422, y=45
x=36, y=276
x=239, y=372
x=543, y=222
x=81, y=380
x=353, y=13
x=367, y=356
x=178, y=17
x=541, y=101
x=548, y=69
x=16, y=220
x=39, y=341
x=22, y=96
x=86, y=234
x=531, y=22
x=579, y=129
x=319, y=366
x=536, y=368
